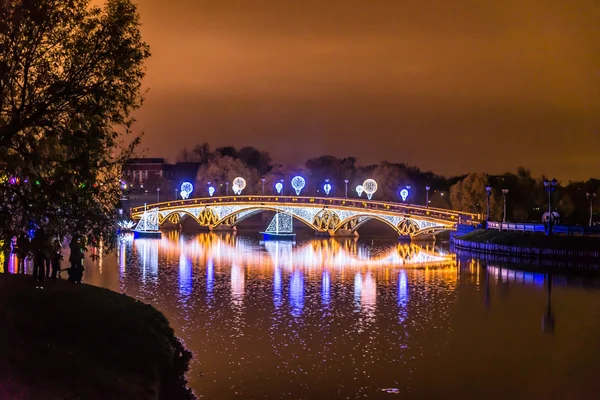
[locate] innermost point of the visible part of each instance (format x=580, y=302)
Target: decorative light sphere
x=186, y=189
x=404, y=194
x=369, y=187
x=327, y=188
x=278, y=187
x=238, y=185
x=211, y=191
x=360, y=190
x=298, y=184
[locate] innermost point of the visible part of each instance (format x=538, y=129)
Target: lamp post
x=591, y=196
x=158, y=195
x=227, y=188
x=207, y=187
x=408, y=188
x=504, y=193
x=346, y=192
x=427, y=196
x=488, y=190
x=550, y=187
x=263, y=186
x=282, y=187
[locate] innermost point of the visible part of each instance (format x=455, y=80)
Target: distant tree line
x=526, y=198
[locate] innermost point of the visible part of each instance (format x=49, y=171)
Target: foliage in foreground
x=70, y=77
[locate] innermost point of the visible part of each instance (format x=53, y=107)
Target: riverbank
x=525, y=244
x=69, y=341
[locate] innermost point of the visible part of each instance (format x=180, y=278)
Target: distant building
x=176, y=174
x=144, y=173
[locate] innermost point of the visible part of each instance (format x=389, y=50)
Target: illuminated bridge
x=325, y=215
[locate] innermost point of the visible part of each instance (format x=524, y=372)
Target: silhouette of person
x=56, y=259
x=21, y=250
x=76, y=259
x=38, y=245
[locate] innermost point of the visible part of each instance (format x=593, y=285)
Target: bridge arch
x=240, y=215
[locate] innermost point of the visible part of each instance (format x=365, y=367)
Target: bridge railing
x=393, y=207
x=540, y=228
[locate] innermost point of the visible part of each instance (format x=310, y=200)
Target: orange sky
x=452, y=86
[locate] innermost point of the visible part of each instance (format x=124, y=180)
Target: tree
x=70, y=78
x=223, y=170
x=470, y=195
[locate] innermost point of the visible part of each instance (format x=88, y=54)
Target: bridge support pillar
x=404, y=238
x=222, y=228
x=424, y=237
x=343, y=233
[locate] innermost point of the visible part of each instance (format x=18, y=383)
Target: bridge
x=325, y=215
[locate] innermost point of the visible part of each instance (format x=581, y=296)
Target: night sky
x=451, y=86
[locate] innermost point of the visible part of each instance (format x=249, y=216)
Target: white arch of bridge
x=321, y=214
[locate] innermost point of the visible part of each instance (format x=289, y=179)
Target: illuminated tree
x=469, y=194
x=70, y=77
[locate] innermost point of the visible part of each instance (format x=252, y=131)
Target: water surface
x=329, y=319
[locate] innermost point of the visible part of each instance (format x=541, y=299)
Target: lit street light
x=263, y=186
x=427, y=196
x=408, y=188
x=504, y=193
x=346, y=182
x=488, y=190
x=591, y=197
x=158, y=195
x=550, y=187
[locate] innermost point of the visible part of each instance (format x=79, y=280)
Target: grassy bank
x=533, y=240
x=69, y=341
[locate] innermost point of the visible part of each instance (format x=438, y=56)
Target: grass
x=69, y=341
x=528, y=239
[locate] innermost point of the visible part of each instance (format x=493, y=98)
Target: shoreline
x=70, y=340
x=531, y=246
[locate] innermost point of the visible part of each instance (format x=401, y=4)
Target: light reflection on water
x=329, y=318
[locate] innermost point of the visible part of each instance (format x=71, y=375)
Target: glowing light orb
x=298, y=184
x=404, y=194
x=211, y=191
x=360, y=190
x=186, y=189
x=278, y=187
x=369, y=187
x=238, y=185
x=327, y=188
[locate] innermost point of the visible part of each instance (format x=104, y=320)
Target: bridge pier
x=222, y=228
x=343, y=233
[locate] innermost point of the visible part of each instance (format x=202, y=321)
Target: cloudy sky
x=451, y=86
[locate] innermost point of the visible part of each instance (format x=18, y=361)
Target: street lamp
x=263, y=186
x=158, y=195
x=346, y=182
x=504, y=193
x=408, y=188
x=226, y=188
x=488, y=190
x=591, y=196
x=281, y=181
x=550, y=187
x=427, y=196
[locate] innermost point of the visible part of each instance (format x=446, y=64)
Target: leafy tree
x=70, y=78
x=470, y=195
x=223, y=170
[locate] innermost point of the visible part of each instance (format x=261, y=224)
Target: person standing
x=21, y=251
x=56, y=259
x=39, y=248
x=76, y=260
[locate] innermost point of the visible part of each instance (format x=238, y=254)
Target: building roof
x=145, y=161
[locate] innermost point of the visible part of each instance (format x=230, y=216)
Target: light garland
x=327, y=188
x=404, y=194
x=211, y=191
x=238, y=185
x=360, y=190
x=278, y=187
x=369, y=187
x=186, y=189
x=298, y=184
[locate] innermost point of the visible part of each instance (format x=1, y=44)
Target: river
x=348, y=319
